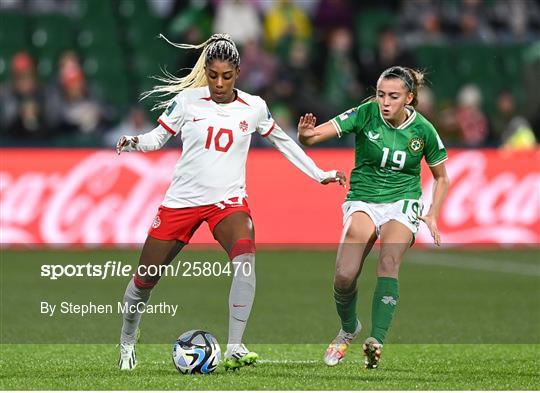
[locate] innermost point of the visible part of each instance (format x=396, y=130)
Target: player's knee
x=344, y=279
x=388, y=265
x=242, y=246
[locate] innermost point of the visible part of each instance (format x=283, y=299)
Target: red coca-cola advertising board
x=61, y=196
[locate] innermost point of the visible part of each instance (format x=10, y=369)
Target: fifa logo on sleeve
x=268, y=114
x=345, y=115
x=171, y=107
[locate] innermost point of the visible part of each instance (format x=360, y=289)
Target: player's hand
x=306, y=125
x=338, y=178
x=432, y=225
x=126, y=141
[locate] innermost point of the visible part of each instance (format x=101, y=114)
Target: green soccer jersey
x=387, y=159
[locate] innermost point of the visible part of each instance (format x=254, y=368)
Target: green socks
x=346, y=308
x=384, y=304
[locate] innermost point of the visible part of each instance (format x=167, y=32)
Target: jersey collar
x=406, y=123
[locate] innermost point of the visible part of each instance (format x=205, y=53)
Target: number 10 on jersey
x=220, y=144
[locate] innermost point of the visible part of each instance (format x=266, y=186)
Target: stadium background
x=71, y=72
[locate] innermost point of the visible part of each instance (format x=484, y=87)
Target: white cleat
x=238, y=356
x=337, y=349
x=128, y=359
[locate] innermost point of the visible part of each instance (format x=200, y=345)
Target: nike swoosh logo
x=239, y=305
x=196, y=120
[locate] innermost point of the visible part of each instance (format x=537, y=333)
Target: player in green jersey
x=383, y=201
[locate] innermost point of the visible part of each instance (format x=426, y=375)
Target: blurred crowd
x=301, y=56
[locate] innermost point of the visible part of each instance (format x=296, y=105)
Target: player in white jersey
x=215, y=122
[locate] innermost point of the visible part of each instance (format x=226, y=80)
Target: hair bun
x=220, y=36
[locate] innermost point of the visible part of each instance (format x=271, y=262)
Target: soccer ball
x=196, y=352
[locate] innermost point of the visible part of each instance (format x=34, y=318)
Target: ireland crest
x=416, y=145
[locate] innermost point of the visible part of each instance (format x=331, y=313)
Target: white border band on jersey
x=337, y=127
x=269, y=131
x=438, y=162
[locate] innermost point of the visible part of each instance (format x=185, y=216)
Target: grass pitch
x=282, y=367
x=466, y=320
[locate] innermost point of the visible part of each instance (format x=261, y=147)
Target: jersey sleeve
x=265, y=123
x=434, y=151
x=173, y=118
x=350, y=121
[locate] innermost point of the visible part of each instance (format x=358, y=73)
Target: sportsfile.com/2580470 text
x=119, y=269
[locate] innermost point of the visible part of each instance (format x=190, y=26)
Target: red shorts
x=181, y=223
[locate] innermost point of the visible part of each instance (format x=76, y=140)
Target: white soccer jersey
x=216, y=138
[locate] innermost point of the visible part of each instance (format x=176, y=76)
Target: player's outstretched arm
x=153, y=140
x=309, y=135
x=301, y=160
x=440, y=189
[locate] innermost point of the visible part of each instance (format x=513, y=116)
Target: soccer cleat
x=338, y=347
x=128, y=359
x=372, y=350
x=238, y=356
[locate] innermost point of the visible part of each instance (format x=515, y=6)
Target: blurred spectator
x=341, y=86
x=531, y=83
x=191, y=25
x=161, y=8
x=473, y=124
x=258, y=69
x=239, y=19
x=331, y=14
x=135, y=123
x=512, y=19
x=75, y=111
x=12, y=5
x=66, y=7
x=296, y=85
x=284, y=24
x=389, y=53
x=506, y=112
x=22, y=102
x=473, y=24
x=519, y=135
x=443, y=121
x=420, y=23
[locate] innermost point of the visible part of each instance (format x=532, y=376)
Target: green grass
x=283, y=367
x=467, y=319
